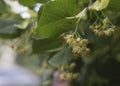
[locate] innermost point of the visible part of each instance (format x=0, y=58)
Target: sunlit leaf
x=52, y=21
x=28, y=2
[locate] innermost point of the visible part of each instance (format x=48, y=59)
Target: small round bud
x=69, y=41
x=112, y=30
x=83, y=49
x=78, y=39
x=62, y=76
x=97, y=26
x=72, y=65
x=68, y=36
x=69, y=76
x=107, y=33
x=76, y=50
x=101, y=33
x=83, y=42
x=86, y=51
x=62, y=68
x=91, y=27
x=96, y=31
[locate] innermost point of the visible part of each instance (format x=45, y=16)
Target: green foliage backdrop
x=77, y=37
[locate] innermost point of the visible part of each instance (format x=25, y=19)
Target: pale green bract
x=99, y=5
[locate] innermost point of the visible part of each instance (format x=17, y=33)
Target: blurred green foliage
x=44, y=41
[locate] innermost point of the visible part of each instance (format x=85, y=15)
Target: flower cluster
x=78, y=45
x=69, y=76
x=67, y=67
x=103, y=29
x=67, y=73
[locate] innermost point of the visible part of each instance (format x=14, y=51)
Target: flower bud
x=69, y=76
x=72, y=65
x=91, y=27
x=101, y=33
x=62, y=76
x=76, y=50
x=83, y=42
x=78, y=39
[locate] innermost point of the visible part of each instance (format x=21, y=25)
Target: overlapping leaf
x=7, y=28
x=61, y=57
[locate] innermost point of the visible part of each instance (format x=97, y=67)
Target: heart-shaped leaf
x=53, y=19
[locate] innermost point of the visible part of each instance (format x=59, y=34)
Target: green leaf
x=40, y=13
x=3, y=7
x=28, y=2
x=52, y=21
x=7, y=28
x=43, y=1
x=61, y=57
x=44, y=45
x=114, y=5
x=31, y=3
